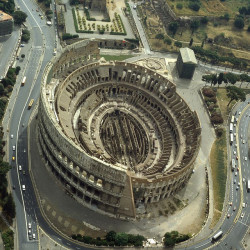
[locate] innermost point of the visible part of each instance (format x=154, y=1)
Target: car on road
x=238, y=183
x=245, y=158
x=236, y=145
x=24, y=172
x=23, y=187
x=34, y=236
x=243, y=141
x=29, y=225
x=234, y=181
x=29, y=231
x=239, y=112
x=13, y=158
x=231, y=203
x=237, y=157
x=14, y=148
x=235, y=134
x=11, y=136
x=21, y=45
x=242, y=215
x=243, y=205
x=20, y=167
x=234, y=208
x=238, y=169
x=235, y=173
x=234, y=152
x=241, y=136
x=237, y=187
x=228, y=215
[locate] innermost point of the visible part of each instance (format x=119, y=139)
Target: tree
x=207, y=78
x=178, y=44
x=226, y=17
x=17, y=70
x=159, y=36
x=19, y=17
x=179, y=6
x=9, y=207
x=235, y=93
x=110, y=236
x=194, y=25
x=243, y=78
x=239, y=23
x=168, y=41
x=220, y=78
x=173, y=26
x=22, y=56
x=194, y=6
x=1, y=89
x=204, y=20
x=121, y=239
x=191, y=42
x=232, y=78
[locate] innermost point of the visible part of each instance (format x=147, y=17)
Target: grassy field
x=208, y=8
x=218, y=160
x=118, y=58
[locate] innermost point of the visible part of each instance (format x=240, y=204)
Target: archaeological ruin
x=116, y=134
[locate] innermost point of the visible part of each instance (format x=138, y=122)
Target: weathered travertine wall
x=78, y=92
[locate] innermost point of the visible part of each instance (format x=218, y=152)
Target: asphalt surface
x=38, y=52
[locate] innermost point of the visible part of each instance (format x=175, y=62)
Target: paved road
x=38, y=53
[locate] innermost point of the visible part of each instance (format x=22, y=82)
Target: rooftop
x=4, y=16
x=188, y=56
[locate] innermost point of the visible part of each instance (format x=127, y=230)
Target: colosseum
x=116, y=134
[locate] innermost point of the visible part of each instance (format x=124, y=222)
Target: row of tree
x=213, y=57
x=226, y=78
x=112, y=239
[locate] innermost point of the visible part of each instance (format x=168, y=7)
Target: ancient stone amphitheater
x=117, y=135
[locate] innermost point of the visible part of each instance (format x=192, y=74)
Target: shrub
x=194, y=6
x=208, y=92
x=168, y=41
x=179, y=6
x=219, y=132
x=204, y=20
x=239, y=23
x=216, y=118
x=178, y=44
x=159, y=36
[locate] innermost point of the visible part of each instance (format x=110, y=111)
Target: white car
x=245, y=158
x=235, y=134
x=242, y=215
x=235, y=173
x=243, y=205
x=241, y=136
x=14, y=148
x=29, y=231
x=234, y=152
x=29, y=225
x=23, y=187
x=11, y=136
x=20, y=167
x=243, y=141
x=34, y=236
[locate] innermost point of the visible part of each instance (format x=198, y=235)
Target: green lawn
x=117, y=58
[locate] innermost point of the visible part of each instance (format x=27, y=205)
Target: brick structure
x=6, y=24
x=116, y=134
x=186, y=63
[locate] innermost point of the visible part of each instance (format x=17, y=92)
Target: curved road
x=43, y=40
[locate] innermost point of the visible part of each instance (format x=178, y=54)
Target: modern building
x=115, y=134
x=186, y=63
x=6, y=24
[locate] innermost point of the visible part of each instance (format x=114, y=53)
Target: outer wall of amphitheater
x=80, y=160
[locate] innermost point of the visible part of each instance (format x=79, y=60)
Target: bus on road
x=231, y=139
x=231, y=127
x=233, y=164
x=23, y=81
x=248, y=186
x=217, y=236
x=31, y=103
x=232, y=119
